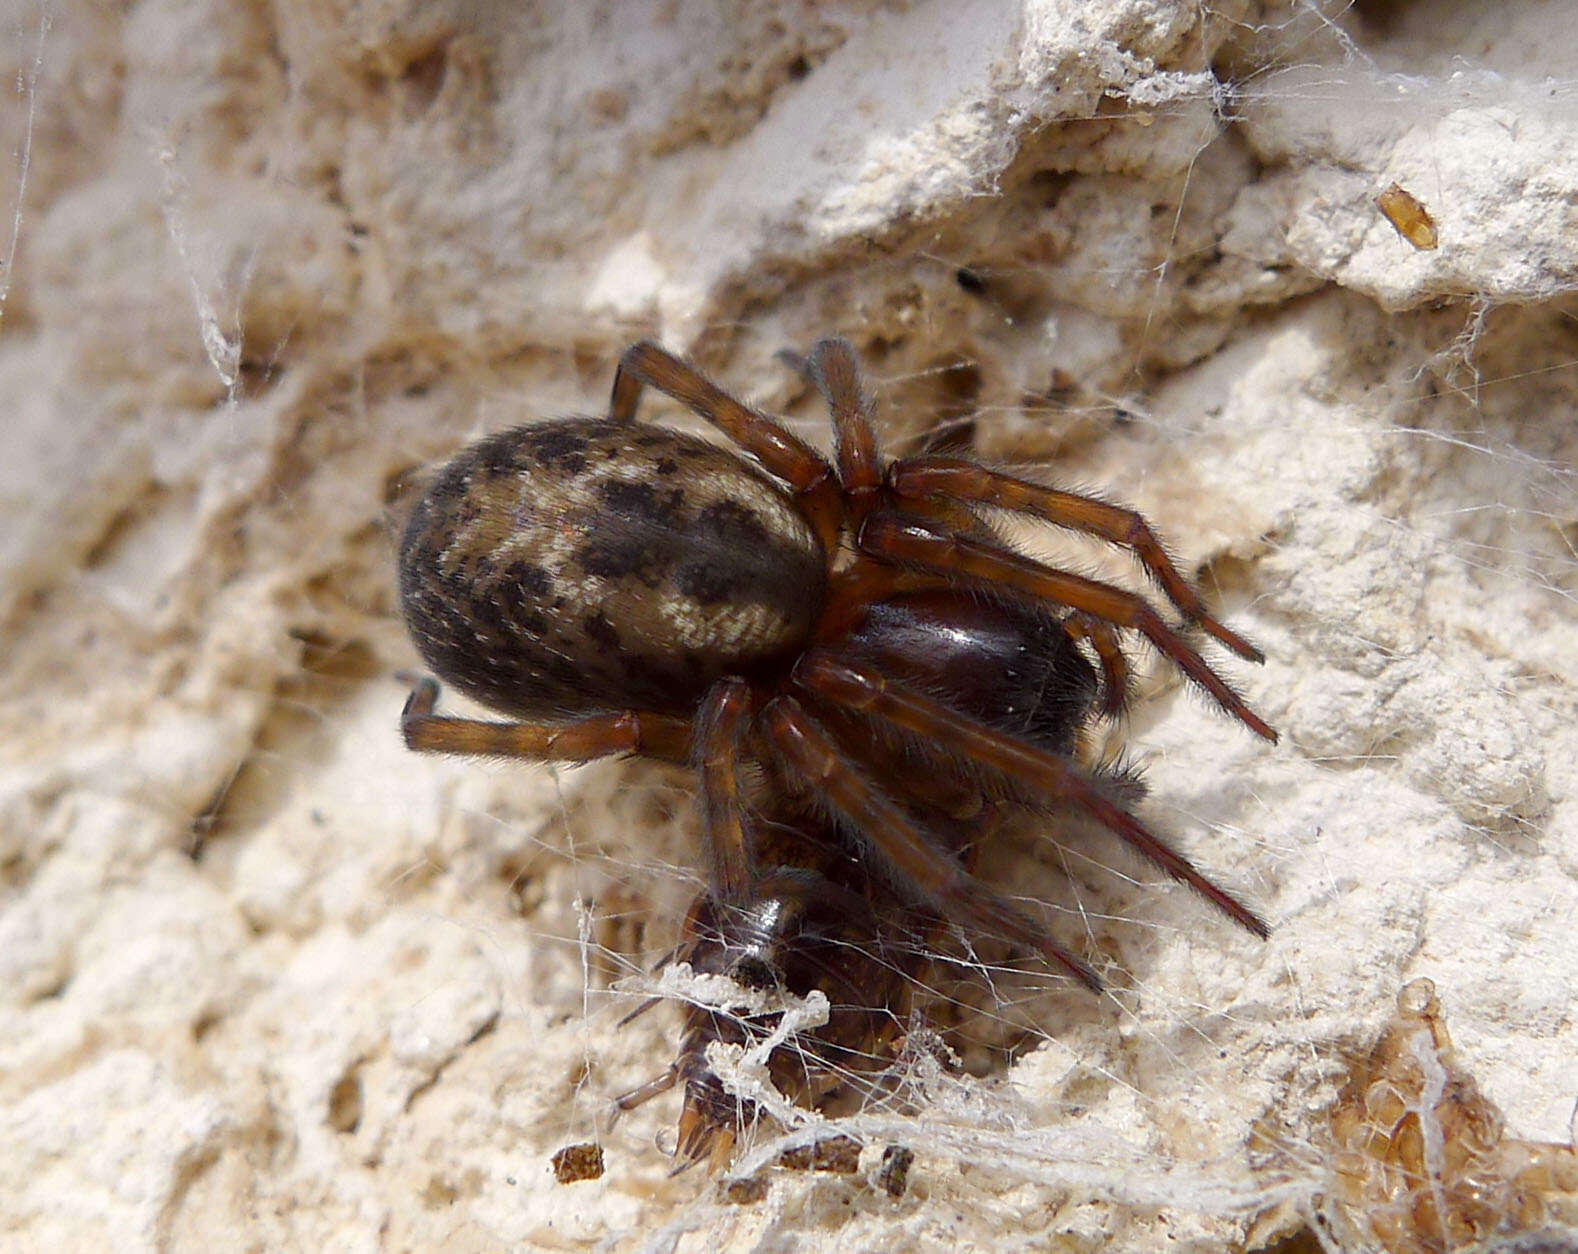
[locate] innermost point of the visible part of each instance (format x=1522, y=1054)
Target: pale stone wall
x=268, y=981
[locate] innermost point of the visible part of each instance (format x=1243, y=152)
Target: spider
x=861, y=671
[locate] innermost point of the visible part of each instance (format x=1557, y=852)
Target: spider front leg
x=926, y=478
x=721, y=724
x=861, y=688
x=918, y=545
x=581, y=740
x=833, y=369
x=778, y=449
x=811, y=753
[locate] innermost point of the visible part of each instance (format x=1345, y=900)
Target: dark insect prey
x=862, y=672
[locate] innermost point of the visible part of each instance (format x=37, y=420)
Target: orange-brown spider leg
x=832, y=369
x=720, y=724
x=910, y=542
x=837, y=377
x=862, y=688
x=777, y=448
x=599, y=736
x=807, y=749
x=929, y=477
x=1114, y=666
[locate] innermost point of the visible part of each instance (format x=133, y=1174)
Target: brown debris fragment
x=578, y=1162
x=744, y=1190
x=893, y=1176
x=836, y=1153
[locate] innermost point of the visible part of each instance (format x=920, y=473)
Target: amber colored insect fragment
x=1407, y=213
x=1423, y=1160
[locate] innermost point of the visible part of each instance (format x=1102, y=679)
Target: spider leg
x=861, y=688
x=919, y=545
x=644, y=1093
x=852, y=592
x=833, y=370
x=837, y=377
x=598, y=736
x=810, y=752
x=779, y=450
x=1114, y=666
x=929, y=477
x=645, y=1005
x=720, y=726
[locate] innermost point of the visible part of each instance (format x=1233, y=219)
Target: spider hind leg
x=919, y=545
x=931, y=874
x=862, y=688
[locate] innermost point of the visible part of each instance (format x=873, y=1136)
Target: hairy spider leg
x=862, y=688
x=853, y=590
x=597, y=736
x=721, y=724
x=779, y=450
x=957, y=811
x=1114, y=666
x=811, y=753
x=832, y=368
x=910, y=542
x=930, y=477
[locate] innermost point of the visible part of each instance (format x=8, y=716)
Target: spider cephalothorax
x=855, y=633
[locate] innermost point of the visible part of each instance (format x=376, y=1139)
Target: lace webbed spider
x=859, y=668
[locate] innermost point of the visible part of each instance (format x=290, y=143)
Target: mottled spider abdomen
x=590, y=565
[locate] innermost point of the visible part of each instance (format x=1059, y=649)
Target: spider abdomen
x=588, y=565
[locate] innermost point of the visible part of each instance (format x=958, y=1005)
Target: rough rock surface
x=266, y=980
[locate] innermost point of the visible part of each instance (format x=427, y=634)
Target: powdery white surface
x=266, y=978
